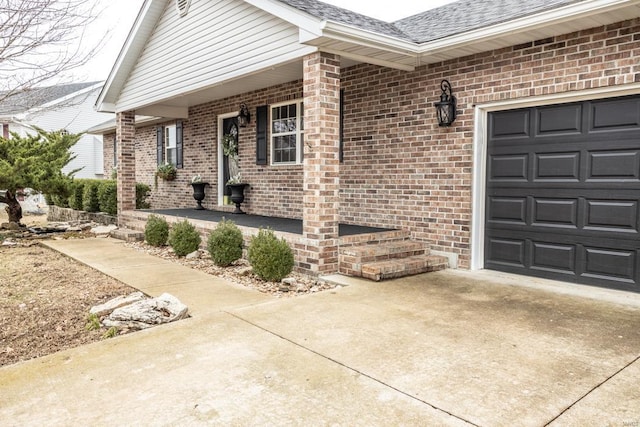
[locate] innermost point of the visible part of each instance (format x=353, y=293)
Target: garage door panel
x=617, y=265
x=510, y=124
x=555, y=212
x=507, y=209
x=557, y=166
x=553, y=257
x=612, y=216
x=509, y=168
x=562, y=198
x=506, y=252
x=561, y=119
x=614, y=165
x=617, y=114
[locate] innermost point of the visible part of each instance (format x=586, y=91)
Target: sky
x=116, y=18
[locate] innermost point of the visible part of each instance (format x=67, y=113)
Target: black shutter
x=341, y=154
x=179, y=144
x=115, y=151
x=160, y=144
x=261, y=135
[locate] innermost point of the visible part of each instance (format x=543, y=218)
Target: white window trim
x=167, y=129
x=298, y=132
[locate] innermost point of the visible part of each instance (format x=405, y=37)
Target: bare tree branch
x=40, y=40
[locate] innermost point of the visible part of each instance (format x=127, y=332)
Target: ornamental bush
x=90, y=202
x=225, y=243
x=108, y=196
x=270, y=258
x=77, y=192
x=184, y=238
x=156, y=232
x=142, y=192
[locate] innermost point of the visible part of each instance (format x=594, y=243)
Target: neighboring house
x=539, y=174
x=69, y=107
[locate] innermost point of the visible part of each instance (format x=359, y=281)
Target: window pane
x=171, y=156
x=170, y=136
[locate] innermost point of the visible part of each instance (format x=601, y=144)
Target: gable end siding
x=179, y=57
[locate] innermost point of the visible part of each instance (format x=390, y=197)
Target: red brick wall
x=400, y=169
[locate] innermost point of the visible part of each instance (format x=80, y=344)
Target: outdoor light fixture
x=446, y=108
x=244, y=117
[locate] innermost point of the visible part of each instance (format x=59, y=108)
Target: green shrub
x=156, y=232
x=49, y=199
x=184, y=238
x=225, y=243
x=90, y=202
x=270, y=258
x=142, y=192
x=60, y=200
x=108, y=197
x=75, y=198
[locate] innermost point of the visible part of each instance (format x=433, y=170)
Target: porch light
x=446, y=108
x=244, y=117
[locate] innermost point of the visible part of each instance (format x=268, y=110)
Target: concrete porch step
x=127, y=235
x=400, y=267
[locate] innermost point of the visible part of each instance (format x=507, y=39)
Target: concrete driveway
x=447, y=348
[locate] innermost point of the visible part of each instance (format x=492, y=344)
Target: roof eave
x=522, y=25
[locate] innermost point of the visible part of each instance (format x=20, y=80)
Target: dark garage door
x=563, y=189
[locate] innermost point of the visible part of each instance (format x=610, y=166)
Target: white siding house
x=74, y=113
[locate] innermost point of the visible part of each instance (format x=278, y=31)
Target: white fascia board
x=539, y=20
x=310, y=24
x=369, y=39
x=142, y=27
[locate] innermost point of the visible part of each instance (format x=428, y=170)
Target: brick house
x=539, y=174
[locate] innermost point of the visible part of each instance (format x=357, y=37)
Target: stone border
x=58, y=214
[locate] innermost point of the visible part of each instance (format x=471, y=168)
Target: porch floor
x=286, y=225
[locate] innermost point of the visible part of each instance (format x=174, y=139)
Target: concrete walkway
x=448, y=348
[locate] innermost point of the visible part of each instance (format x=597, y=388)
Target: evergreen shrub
x=270, y=258
x=156, y=232
x=184, y=238
x=225, y=243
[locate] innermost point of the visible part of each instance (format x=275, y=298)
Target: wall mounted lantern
x=244, y=117
x=446, y=108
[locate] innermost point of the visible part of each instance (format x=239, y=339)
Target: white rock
x=146, y=313
x=9, y=243
x=109, y=306
x=103, y=229
x=289, y=280
x=193, y=255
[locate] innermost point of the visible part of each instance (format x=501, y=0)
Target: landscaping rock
x=108, y=307
x=103, y=230
x=193, y=255
x=9, y=242
x=147, y=313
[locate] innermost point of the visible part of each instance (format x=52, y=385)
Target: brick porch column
x=321, y=161
x=126, y=136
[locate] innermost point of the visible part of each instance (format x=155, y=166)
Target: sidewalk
x=436, y=349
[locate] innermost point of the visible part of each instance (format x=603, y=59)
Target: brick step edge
x=127, y=235
x=401, y=267
x=391, y=248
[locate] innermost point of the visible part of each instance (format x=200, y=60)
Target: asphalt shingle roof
x=444, y=21
x=34, y=97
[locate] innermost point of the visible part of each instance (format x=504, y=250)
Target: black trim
x=160, y=144
x=261, y=135
x=179, y=144
x=341, y=148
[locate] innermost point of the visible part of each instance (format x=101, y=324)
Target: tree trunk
x=14, y=210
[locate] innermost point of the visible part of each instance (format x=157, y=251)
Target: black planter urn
x=237, y=195
x=198, y=193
